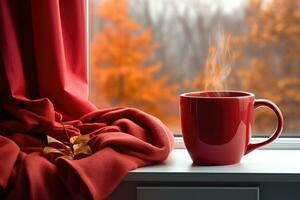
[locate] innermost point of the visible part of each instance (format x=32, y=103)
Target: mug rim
x=242, y=94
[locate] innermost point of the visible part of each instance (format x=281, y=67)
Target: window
x=145, y=53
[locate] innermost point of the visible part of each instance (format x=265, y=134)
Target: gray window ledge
x=257, y=166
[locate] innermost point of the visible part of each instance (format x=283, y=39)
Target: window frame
x=291, y=143
x=284, y=143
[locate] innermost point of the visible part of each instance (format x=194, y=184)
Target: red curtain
x=44, y=92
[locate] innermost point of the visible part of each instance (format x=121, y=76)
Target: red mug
x=216, y=126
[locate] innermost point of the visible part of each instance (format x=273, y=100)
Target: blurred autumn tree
x=122, y=71
x=265, y=61
x=270, y=60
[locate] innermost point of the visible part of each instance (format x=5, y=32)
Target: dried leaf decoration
x=80, y=147
x=75, y=149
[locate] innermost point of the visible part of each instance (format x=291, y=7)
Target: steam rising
x=218, y=64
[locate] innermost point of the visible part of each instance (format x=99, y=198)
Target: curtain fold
x=44, y=92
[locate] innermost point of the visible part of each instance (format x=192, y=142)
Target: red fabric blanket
x=44, y=92
x=122, y=139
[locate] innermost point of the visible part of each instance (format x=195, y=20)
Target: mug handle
x=264, y=102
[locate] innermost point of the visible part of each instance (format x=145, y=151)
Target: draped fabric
x=44, y=92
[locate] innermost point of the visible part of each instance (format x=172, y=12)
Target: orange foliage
x=266, y=60
x=122, y=72
x=272, y=70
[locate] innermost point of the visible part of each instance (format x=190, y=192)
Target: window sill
x=258, y=166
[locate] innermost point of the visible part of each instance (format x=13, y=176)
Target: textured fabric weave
x=44, y=92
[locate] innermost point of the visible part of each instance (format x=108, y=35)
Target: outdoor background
x=144, y=53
